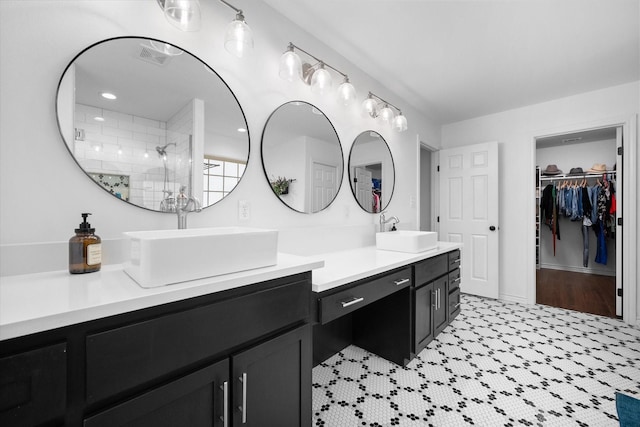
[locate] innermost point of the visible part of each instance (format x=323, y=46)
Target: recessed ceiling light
x=108, y=95
x=242, y=130
x=98, y=119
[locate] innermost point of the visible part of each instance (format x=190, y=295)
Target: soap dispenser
x=85, y=249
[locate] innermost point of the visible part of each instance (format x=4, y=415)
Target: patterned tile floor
x=496, y=364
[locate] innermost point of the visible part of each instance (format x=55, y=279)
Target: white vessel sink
x=163, y=257
x=407, y=241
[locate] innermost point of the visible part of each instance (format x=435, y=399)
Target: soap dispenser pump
x=85, y=249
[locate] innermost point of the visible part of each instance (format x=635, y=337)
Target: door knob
x=492, y=228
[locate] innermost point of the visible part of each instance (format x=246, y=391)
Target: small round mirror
x=302, y=157
x=147, y=120
x=371, y=172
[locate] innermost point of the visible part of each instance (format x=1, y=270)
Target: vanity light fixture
x=371, y=106
x=315, y=75
x=238, y=39
x=183, y=14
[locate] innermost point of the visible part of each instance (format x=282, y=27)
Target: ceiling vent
x=571, y=139
x=148, y=54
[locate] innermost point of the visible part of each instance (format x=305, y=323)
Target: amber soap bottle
x=85, y=249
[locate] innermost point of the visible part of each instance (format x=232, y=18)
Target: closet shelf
x=582, y=175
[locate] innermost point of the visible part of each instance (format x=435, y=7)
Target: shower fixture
x=162, y=151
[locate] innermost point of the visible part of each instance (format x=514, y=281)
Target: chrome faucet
x=383, y=221
x=184, y=205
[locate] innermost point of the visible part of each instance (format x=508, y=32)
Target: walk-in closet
x=577, y=205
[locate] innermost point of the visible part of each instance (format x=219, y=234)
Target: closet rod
x=569, y=177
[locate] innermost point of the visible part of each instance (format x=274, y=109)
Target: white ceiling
x=459, y=59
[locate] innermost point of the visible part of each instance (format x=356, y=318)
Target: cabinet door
x=195, y=400
x=424, y=303
x=441, y=291
x=33, y=386
x=272, y=382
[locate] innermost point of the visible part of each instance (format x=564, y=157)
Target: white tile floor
x=496, y=364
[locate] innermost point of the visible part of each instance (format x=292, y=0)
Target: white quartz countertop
x=348, y=266
x=33, y=303
x=38, y=302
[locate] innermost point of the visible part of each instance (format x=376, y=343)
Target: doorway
x=578, y=200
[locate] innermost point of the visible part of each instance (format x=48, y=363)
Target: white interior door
x=324, y=186
x=619, y=202
x=469, y=213
x=363, y=187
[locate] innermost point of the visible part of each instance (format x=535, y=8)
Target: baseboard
x=514, y=298
x=585, y=270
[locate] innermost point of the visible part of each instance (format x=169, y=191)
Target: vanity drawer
x=430, y=269
x=33, y=386
x=333, y=306
x=454, y=279
x=454, y=303
x=141, y=353
x=454, y=259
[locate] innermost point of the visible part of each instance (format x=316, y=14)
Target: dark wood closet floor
x=588, y=293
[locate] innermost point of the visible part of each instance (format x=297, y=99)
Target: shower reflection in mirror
x=168, y=127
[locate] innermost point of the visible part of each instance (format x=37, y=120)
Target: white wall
x=515, y=130
x=38, y=38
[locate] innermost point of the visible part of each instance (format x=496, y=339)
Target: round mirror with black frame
x=302, y=157
x=371, y=172
x=151, y=123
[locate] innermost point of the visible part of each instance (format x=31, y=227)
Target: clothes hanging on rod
x=592, y=205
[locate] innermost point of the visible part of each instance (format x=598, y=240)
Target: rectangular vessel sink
x=163, y=257
x=407, y=241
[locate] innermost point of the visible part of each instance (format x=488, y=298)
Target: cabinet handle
x=352, y=301
x=456, y=260
x=456, y=307
x=401, y=282
x=438, y=299
x=225, y=408
x=456, y=280
x=433, y=297
x=243, y=408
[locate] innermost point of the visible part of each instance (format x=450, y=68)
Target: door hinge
x=438, y=168
x=620, y=222
x=355, y=179
x=620, y=292
x=438, y=220
x=620, y=151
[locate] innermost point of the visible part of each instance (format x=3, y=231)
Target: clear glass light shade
x=370, y=106
x=238, y=40
x=320, y=81
x=183, y=14
x=290, y=66
x=399, y=123
x=346, y=93
x=386, y=114
x=165, y=48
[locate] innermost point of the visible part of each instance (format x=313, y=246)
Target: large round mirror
x=148, y=121
x=371, y=172
x=302, y=157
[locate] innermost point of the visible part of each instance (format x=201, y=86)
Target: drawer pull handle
x=456, y=260
x=225, y=399
x=351, y=302
x=456, y=280
x=401, y=282
x=456, y=307
x=243, y=408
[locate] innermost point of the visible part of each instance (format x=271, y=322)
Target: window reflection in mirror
x=371, y=172
x=302, y=157
x=171, y=122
